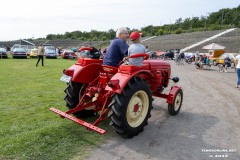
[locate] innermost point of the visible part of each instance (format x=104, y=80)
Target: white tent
x=213, y=46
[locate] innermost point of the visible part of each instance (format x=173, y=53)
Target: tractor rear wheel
x=73, y=92
x=130, y=110
x=174, y=108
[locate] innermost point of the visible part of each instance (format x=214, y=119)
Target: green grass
x=28, y=130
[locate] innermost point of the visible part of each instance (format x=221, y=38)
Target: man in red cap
x=136, y=48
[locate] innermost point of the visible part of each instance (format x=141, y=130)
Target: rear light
x=114, y=83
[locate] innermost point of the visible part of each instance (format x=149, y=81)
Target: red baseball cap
x=135, y=35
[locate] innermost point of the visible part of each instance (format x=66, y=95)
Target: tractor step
x=79, y=121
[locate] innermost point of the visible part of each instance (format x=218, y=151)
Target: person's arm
x=124, y=49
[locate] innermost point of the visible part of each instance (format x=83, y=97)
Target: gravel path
x=207, y=127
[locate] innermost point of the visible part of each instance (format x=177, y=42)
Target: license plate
x=65, y=78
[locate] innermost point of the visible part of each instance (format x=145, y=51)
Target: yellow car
x=220, y=60
x=215, y=54
x=33, y=53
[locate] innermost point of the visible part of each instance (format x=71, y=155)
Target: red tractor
x=124, y=94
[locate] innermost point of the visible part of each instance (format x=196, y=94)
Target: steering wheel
x=144, y=55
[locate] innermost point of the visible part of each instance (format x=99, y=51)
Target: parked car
x=19, y=53
x=49, y=47
x=26, y=47
x=33, y=53
x=67, y=52
x=3, y=53
x=220, y=60
x=160, y=54
x=50, y=53
x=74, y=49
x=189, y=57
x=169, y=54
x=215, y=54
x=152, y=54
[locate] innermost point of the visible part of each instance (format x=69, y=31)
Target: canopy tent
x=213, y=46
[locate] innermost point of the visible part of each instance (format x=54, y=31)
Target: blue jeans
x=238, y=75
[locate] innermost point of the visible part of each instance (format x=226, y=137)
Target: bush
x=160, y=32
x=213, y=27
x=178, y=31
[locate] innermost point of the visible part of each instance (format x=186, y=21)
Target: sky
x=21, y=19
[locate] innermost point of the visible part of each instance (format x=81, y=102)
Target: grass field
x=28, y=130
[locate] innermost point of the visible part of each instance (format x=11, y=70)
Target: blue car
x=19, y=53
x=3, y=53
x=50, y=53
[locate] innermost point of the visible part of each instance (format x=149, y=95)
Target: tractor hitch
x=79, y=121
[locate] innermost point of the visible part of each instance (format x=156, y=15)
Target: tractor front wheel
x=130, y=110
x=174, y=108
x=74, y=92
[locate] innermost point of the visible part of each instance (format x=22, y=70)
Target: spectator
x=182, y=57
x=117, y=49
x=208, y=61
x=203, y=60
x=105, y=51
x=136, y=48
x=199, y=62
x=146, y=50
x=57, y=50
x=176, y=55
x=227, y=63
x=197, y=56
x=40, y=54
x=237, y=65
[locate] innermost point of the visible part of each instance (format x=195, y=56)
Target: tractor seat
x=131, y=68
x=110, y=69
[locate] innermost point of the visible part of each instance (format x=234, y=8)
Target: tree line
x=222, y=19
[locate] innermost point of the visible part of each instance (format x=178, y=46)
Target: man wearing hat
x=136, y=48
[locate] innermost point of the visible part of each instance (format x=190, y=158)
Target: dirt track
x=207, y=127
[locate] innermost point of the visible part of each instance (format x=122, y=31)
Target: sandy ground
x=207, y=127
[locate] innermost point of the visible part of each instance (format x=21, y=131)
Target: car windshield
x=49, y=47
x=227, y=54
x=231, y=56
x=19, y=50
x=34, y=50
x=2, y=50
x=68, y=51
x=50, y=51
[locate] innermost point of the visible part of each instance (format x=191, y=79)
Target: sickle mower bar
x=79, y=121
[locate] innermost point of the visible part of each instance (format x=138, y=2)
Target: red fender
x=172, y=94
x=86, y=73
x=124, y=79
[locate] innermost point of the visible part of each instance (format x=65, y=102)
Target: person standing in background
x=237, y=65
x=57, y=50
x=40, y=54
x=197, y=56
x=146, y=50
